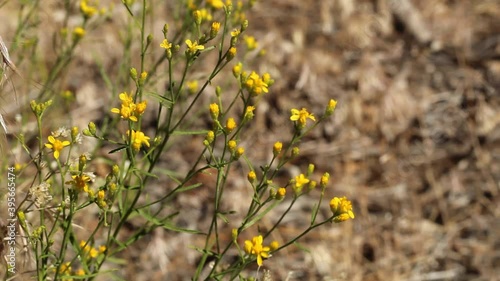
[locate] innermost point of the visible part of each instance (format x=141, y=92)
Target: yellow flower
x=341, y=209
x=300, y=180
x=79, y=182
x=214, y=29
x=231, y=53
x=237, y=69
x=102, y=249
x=78, y=32
x=165, y=44
x=214, y=111
x=249, y=113
x=65, y=268
x=231, y=145
x=192, y=86
x=129, y=110
x=256, y=248
x=277, y=148
x=250, y=42
x=251, y=176
x=217, y=4
x=209, y=138
x=235, y=32
x=239, y=152
x=56, y=145
x=193, y=47
x=324, y=180
x=301, y=116
x=255, y=84
x=138, y=139
x=140, y=108
x=274, y=245
x=281, y=193
x=230, y=125
x=330, y=107
x=87, y=11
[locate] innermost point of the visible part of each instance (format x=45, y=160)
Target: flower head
x=80, y=182
x=56, y=145
x=256, y=248
x=216, y=4
x=193, y=47
x=255, y=84
x=165, y=44
x=130, y=110
x=301, y=116
x=138, y=139
x=341, y=209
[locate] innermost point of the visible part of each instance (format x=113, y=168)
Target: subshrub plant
x=207, y=37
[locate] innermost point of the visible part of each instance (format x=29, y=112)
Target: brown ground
x=415, y=140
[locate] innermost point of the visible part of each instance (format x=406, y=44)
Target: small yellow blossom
x=255, y=84
x=140, y=108
x=138, y=139
x=235, y=32
x=214, y=111
x=281, y=193
x=231, y=53
x=274, y=245
x=250, y=42
x=87, y=11
x=129, y=110
x=80, y=182
x=324, y=180
x=256, y=248
x=193, y=47
x=56, y=145
x=216, y=4
x=166, y=45
x=197, y=17
x=78, y=32
x=209, y=138
x=230, y=125
x=300, y=180
x=214, y=29
x=331, y=107
x=249, y=113
x=277, y=147
x=102, y=249
x=237, y=69
x=192, y=86
x=65, y=268
x=231, y=145
x=239, y=151
x=301, y=116
x=341, y=209
x=80, y=272
x=251, y=176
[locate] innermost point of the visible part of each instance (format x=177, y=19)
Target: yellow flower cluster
x=91, y=252
x=129, y=110
x=258, y=250
x=87, y=10
x=341, y=209
x=256, y=84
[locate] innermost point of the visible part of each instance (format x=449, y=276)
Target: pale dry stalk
x=5, y=64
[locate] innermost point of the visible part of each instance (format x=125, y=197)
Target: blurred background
x=414, y=142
